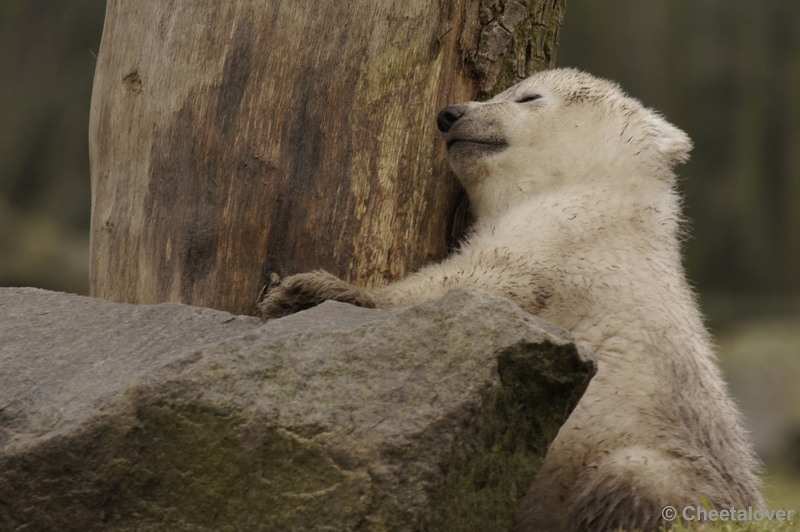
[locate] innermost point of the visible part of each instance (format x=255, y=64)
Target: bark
x=235, y=141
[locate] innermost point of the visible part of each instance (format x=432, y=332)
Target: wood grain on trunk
x=235, y=140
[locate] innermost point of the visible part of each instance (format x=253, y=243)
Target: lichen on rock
x=431, y=418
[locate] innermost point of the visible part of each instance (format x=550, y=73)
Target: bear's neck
x=582, y=207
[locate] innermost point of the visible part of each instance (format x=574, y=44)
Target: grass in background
x=749, y=526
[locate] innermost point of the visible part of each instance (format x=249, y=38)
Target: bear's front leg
x=306, y=290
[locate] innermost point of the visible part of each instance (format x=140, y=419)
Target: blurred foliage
x=46, y=71
x=728, y=73
x=761, y=361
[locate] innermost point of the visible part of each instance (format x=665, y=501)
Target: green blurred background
x=725, y=71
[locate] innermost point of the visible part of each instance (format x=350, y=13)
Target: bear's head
x=558, y=128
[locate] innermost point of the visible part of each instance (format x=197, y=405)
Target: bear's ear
x=671, y=142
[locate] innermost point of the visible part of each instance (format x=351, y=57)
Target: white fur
x=578, y=222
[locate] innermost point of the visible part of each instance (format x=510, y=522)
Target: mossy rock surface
x=168, y=417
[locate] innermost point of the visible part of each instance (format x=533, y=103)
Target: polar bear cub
x=578, y=221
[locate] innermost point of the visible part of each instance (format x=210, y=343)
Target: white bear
x=578, y=221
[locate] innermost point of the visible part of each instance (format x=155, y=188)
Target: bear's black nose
x=447, y=117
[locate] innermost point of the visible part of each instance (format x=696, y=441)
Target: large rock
x=169, y=417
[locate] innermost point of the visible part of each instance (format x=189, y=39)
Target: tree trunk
x=231, y=141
